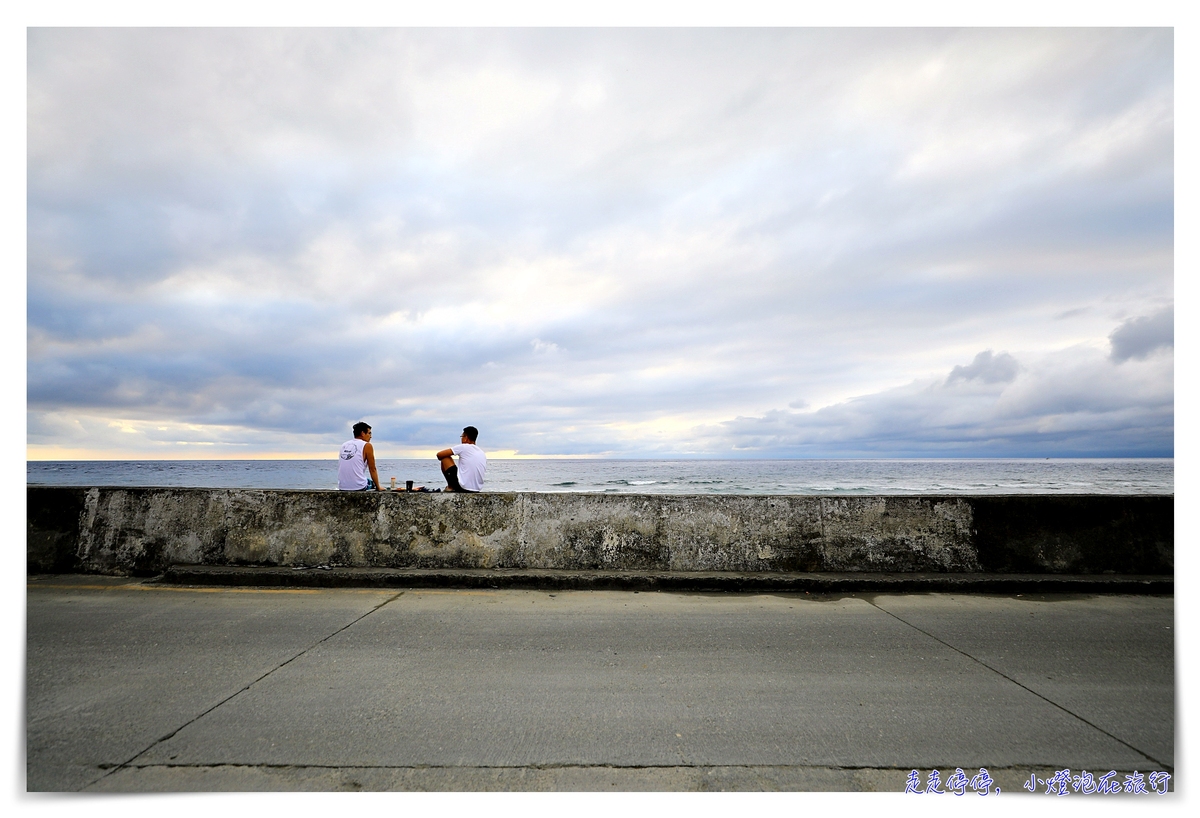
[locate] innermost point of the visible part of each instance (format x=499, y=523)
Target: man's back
x=352, y=466
x=472, y=465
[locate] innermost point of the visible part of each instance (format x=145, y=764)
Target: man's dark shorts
x=452, y=480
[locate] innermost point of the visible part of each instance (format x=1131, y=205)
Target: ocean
x=1057, y=476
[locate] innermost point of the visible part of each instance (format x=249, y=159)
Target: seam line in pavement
x=552, y=765
x=1018, y=684
x=240, y=691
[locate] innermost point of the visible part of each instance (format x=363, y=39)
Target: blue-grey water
x=1091, y=476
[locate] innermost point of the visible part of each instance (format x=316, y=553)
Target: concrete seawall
x=142, y=531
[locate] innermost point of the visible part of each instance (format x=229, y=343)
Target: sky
x=766, y=243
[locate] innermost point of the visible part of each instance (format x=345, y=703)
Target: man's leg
x=450, y=472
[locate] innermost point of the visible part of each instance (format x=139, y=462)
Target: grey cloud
x=1072, y=404
x=987, y=368
x=1138, y=337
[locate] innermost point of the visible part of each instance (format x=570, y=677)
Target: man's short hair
x=359, y=428
x=471, y=432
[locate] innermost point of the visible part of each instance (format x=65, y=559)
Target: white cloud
x=602, y=240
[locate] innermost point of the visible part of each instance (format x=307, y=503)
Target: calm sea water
x=1092, y=476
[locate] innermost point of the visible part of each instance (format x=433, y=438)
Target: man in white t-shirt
x=355, y=459
x=472, y=463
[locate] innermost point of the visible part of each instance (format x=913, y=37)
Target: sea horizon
x=1092, y=475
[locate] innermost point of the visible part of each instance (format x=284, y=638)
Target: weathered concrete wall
x=144, y=530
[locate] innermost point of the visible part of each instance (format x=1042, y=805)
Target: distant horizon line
x=599, y=457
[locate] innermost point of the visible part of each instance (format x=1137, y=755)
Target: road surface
x=137, y=687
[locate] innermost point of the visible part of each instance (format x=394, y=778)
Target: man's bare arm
x=369, y=456
x=444, y=453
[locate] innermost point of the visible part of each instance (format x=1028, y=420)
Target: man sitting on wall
x=355, y=458
x=472, y=463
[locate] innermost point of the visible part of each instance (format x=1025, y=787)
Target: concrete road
x=136, y=687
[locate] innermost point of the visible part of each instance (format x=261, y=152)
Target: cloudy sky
x=621, y=242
